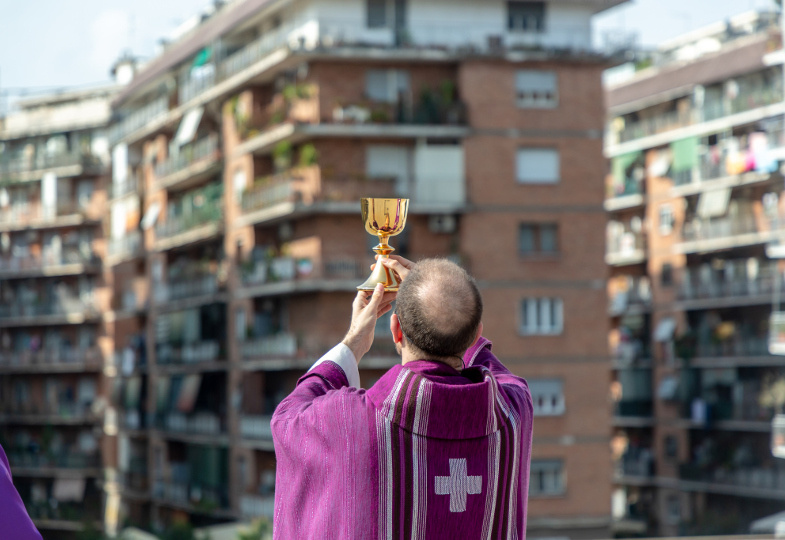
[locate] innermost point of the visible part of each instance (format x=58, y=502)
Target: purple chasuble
x=426, y=453
x=14, y=521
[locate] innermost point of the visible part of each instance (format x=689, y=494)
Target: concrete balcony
x=64, y=311
x=23, y=169
x=34, y=215
x=632, y=296
x=625, y=249
x=754, y=482
x=139, y=119
x=69, y=262
x=125, y=248
x=67, y=464
x=739, y=285
x=188, y=291
x=64, y=413
x=202, y=352
x=736, y=351
x=204, y=223
x=193, y=164
x=629, y=194
x=635, y=467
x=193, y=497
x=286, y=275
x=256, y=428
x=280, y=345
x=60, y=360
x=724, y=233
x=132, y=185
x=198, y=423
x=255, y=506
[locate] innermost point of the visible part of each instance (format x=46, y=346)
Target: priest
x=438, y=448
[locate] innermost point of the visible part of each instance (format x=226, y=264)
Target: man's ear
x=395, y=329
x=478, y=336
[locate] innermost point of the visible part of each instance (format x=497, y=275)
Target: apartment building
x=54, y=394
x=695, y=139
x=235, y=242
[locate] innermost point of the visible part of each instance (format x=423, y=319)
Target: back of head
x=439, y=308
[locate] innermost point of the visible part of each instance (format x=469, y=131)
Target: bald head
x=439, y=308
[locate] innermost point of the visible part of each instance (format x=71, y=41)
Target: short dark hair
x=439, y=308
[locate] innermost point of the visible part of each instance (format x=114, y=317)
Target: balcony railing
x=288, y=269
x=256, y=427
x=762, y=478
x=627, y=246
x=21, y=166
x=637, y=293
x=188, y=353
x=193, y=494
x=734, y=346
x=186, y=287
x=139, y=118
x=748, y=100
x=205, y=149
x=64, y=410
x=210, y=213
x=636, y=462
x=739, y=279
x=199, y=423
x=126, y=246
x=49, y=358
x=60, y=460
x=278, y=345
x=63, y=307
x=22, y=213
x=699, y=229
x=47, y=262
x=255, y=506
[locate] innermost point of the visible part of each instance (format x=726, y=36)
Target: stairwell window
x=547, y=396
x=541, y=317
x=546, y=478
x=526, y=16
x=536, y=89
x=538, y=239
x=537, y=166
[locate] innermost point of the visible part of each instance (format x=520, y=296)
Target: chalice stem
x=381, y=274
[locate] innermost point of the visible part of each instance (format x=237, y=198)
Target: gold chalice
x=383, y=218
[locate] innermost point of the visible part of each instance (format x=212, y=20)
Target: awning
x=187, y=130
x=685, y=154
x=188, y=392
x=714, y=203
x=665, y=329
x=69, y=489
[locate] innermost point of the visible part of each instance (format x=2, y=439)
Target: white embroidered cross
x=458, y=485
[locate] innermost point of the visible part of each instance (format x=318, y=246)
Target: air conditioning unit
x=442, y=224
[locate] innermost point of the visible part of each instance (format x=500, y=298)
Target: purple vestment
x=14, y=521
x=428, y=452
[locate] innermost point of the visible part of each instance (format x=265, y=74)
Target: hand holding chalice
x=383, y=218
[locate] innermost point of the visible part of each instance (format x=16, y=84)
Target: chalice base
x=381, y=274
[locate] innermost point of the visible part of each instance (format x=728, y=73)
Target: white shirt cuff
x=344, y=357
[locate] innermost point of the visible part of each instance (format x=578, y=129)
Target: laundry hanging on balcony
x=685, y=154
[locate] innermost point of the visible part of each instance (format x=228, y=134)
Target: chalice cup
x=383, y=218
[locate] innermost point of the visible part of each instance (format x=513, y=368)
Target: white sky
x=57, y=43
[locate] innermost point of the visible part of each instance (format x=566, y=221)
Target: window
x=546, y=477
x=386, y=85
x=536, y=89
x=541, y=316
x=538, y=238
x=537, y=166
x=547, y=396
x=377, y=13
x=526, y=16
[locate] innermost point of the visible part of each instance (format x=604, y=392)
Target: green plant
x=308, y=155
x=447, y=92
x=282, y=155
x=259, y=530
x=380, y=116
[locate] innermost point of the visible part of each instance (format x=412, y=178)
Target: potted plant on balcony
x=282, y=156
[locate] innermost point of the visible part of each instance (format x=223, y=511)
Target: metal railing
x=256, y=427
x=738, y=278
x=49, y=261
x=255, y=506
x=626, y=244
x=281, y=269
x=128, y=245
x=65, y=306
x=14, y=167
x=705, y=229
x=186, y=287
x=21, y=213
x=636, y=462
x=139, y=118
x=205, y=149
x=734, y=346
x=198, y=423
x=764, y=478
x=277, y=345
x=210, y=213
x=189, y=353
x=50, y=357
x=63, y=460
x=192, y=493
